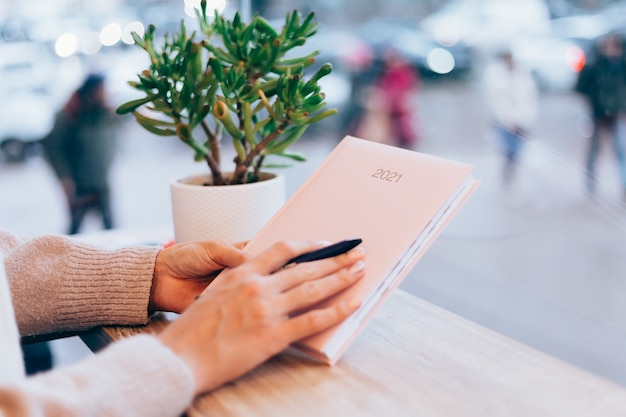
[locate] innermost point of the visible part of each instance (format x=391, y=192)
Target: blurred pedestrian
x=363, y=70
x=603, y=82
x=81, y=148
x=391, y=103
x=511, y=96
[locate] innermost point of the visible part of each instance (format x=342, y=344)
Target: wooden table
x=413, y=359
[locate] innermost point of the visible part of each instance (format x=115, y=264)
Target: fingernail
x=357, y=267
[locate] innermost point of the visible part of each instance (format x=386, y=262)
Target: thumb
x=225, y=254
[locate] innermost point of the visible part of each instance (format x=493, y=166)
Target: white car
x=27, y=109
x=484, y=25
x=556, y=55
x=25, y=119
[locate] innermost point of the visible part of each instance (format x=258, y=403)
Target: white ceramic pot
x=234, y=213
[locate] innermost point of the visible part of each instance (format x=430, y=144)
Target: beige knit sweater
x=57, y=284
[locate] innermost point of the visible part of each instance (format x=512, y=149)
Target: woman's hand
x=183, y=271
x=245, y=316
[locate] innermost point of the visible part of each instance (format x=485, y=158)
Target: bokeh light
x=131, y=27
x=66, y=45
x=90, y=43
x=575, y=58
x=440, y=61
x=110, y=34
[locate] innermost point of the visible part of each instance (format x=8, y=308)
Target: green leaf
x=296, y=156
x=304, y=60
x=222, y=113
x=322, y=115
x=279, y=147
x=265, y=26
x=133, y=105
x=154, y=125
x=274, y=165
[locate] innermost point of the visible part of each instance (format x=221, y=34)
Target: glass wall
x=538, y=254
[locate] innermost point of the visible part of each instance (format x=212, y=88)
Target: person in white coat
x=511, y=96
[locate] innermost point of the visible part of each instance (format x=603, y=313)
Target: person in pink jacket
x=398, y=85
x=53, y=283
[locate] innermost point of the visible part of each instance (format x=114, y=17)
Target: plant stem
x=213, y=158
x=213, y=139
x=239, y=176
x=258, y=165
x=216, y=173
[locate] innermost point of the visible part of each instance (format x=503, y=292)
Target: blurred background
x=540, y=260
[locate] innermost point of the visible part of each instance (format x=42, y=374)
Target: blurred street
x=540, y=262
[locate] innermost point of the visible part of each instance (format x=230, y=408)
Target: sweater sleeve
x=133, y=377
x=59, y=284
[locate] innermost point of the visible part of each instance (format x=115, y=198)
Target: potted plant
x=230, y=78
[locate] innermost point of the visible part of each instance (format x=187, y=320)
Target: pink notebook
x=396, y=200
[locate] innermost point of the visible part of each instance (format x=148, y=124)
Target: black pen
x=326, y=252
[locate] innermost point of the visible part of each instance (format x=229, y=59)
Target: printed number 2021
x=386, y=175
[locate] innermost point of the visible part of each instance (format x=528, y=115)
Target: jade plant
x=231, y=78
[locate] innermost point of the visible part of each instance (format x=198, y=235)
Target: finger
x=307, y=271
x=315, y=291
x=242, y=244
x=223, y=253
x=314, y=321
x=275, y=257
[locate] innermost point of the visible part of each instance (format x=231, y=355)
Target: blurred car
x=485, y=25
x=25, y=119
x=615, y=15
x=25, y=66
x=428, y=56
x=555, y=54
x=27, y=108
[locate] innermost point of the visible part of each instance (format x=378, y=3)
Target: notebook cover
x=380, y=193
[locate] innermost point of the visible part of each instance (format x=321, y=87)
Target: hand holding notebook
x=396, y=200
